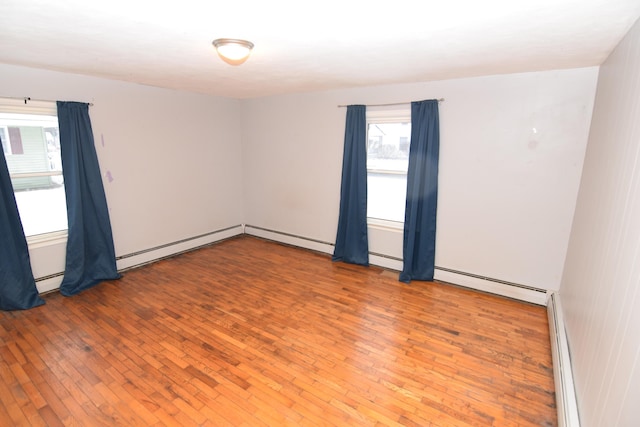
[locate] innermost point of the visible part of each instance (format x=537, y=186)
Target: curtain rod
x=28, y=98
x=390, y=105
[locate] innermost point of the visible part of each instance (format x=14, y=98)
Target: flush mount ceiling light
x=233, y=51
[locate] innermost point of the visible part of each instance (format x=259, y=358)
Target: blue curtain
x=352, y=244
x=90, y=252
x=17, y=286
x=419, y=245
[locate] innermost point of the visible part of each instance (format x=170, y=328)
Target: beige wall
x=511, y=155
x=175, y=160
x=183, y=164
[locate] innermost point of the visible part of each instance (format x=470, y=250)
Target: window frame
x=6, y=141
x=402, y=114
x=34, y=108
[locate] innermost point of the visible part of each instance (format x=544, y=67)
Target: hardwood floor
x=250, y=332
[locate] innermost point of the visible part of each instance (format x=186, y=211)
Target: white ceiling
x=303, y=46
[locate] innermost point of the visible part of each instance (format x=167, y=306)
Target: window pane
x=41, y=203
x=35, y=167
x=387, y=163
x=4, y=137
x=386, y=196
x=15, y=139
x=388, y=146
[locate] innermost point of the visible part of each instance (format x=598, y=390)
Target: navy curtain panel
x=90, y=253
x=419, y=244
x=352, y=243
x=17, y=286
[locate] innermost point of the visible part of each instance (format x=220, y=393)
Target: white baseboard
x=385, y=262
x=49, y=284
x=566, y=402
x=316, y=245
x=289, y=239
x=534, y=296
x=126, y=262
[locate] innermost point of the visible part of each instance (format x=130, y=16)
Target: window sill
x=47, y=239
x=383, y=224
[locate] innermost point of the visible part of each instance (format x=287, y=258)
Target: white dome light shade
x=233, y=51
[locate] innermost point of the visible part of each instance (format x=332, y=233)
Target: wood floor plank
x=250, y=332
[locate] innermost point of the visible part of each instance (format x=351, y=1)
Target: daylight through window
x=387, y=162
x=31, y=145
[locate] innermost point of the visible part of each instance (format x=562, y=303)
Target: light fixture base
x=233, y=51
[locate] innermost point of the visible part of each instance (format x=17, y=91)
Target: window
x=31, y=143
x=388, y=135
x=4, y=138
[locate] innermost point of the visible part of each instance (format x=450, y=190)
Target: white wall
x=185, y=164
x=507, y=193
x=600, y=288
x=175, y=160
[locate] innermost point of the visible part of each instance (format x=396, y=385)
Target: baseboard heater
x=51, y=282
x=442, y=274
x=178, y=242
x=566, y=401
